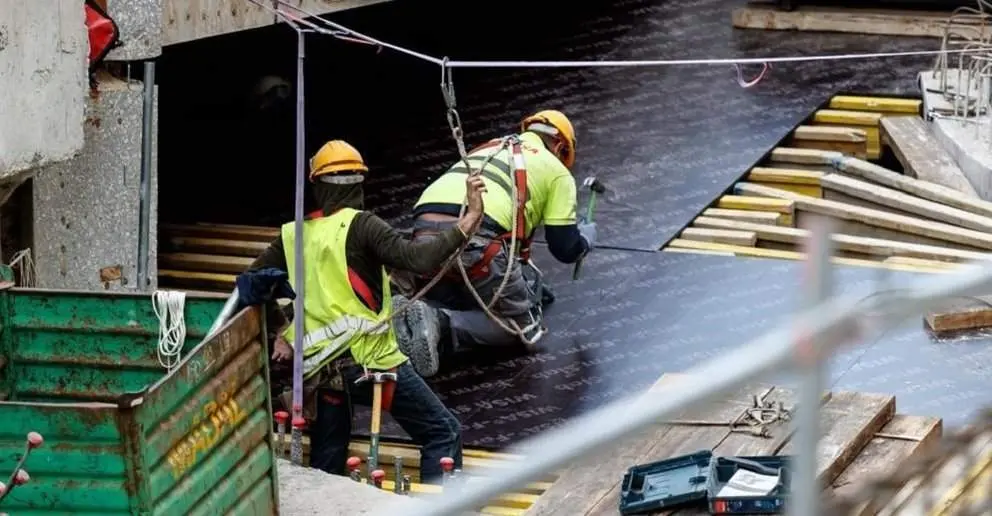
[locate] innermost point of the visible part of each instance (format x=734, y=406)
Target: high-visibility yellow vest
x=335, y=319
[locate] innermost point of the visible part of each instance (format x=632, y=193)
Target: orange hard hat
x=338, y=158
x=555, y=124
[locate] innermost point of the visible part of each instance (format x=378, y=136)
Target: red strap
x=315, y=214
x=520, y=177
x=362, y=290
x=491, y=143
x=388, y=390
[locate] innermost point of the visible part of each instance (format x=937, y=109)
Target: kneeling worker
x=528, y=183
x=347, y=295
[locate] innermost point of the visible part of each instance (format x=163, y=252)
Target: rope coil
x=169, y=307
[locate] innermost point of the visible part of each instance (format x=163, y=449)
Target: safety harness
x=481, y=268
x=358, y=285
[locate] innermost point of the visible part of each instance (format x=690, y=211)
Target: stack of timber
x=476, y=465
x=766, y=16
x=863, y=438
x=208, y=257
x=927, y=218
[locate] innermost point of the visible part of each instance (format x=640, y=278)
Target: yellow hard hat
x=337, y=157
x=555, y=124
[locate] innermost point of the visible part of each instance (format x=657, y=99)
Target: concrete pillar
x=86, y=210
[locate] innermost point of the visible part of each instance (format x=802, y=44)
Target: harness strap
x=358, y=285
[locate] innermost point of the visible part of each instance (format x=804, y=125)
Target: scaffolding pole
x=296, y=447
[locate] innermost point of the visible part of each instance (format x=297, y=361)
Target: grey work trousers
x=470, y=326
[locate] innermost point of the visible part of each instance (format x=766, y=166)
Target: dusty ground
x=306, y=491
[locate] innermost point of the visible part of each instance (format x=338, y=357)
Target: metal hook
x=447, y=84
x=747, y=84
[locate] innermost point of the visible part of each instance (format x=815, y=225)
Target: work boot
x=418, y=332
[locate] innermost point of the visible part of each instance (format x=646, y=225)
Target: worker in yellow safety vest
x=528, y=184
x=346, y=297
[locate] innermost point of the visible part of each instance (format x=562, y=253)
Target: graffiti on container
x=216, y=417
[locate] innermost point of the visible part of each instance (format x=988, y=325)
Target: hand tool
x=281, y=417
x=354, y=468
x=447, y=464
x=595, y=187
x=377, y=477
x=398, y=474
x=377, y=378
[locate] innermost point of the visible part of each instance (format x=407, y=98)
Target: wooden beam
x=922, y=156
x=215, y=246
x=936, y=230
x=804, y=156
x=223, y=231
x=849, y=420
x=829, y=134
x=923, y=189
x=961, y=314
x=859, y=21
x=722, y=236
x=905, y=202
x=758, y=252
x=204, y=262
x=864, y=120
x=852, y=243
x=756, y=203
x=784, y=175
x=763, y=217
x=882, y=456
x=201, y=280
x=887, y=105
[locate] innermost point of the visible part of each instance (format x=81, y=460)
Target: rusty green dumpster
x=123, y=435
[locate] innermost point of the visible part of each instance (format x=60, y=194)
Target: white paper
x=748, y=483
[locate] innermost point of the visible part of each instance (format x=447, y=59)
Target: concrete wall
x=86, y=209
x=43, y=59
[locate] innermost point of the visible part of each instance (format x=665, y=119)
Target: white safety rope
x=169, y=307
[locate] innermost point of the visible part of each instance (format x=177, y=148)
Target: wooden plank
x=784, y=175
x=847, y=117
x=215, y=246
x=936, y=230
x=923, y=189
x=756, y=203
x=922, y=262
x=204, y=262
x=829, y=134
x=683, y=250
x=808, y=190
x=804, y=156
x=922, y=156
x=758, y=252
x=227, y=232
x=856, y=149
x=591, y=485
x=856, y=244
x=906, y=202
x=763, y=217
x=961, y=314
x=722, y=236
x=202, y=280
x=826, y=19
x=887, y=105
x=849, y=420
x=883, y=455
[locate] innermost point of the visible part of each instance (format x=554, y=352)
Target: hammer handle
x=376, y=407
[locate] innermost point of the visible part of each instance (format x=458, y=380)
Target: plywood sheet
x=860, y=21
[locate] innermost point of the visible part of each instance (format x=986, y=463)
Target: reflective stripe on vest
x=335, y=317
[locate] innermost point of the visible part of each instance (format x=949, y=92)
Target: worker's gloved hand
x=588, y=232
x=263, y=285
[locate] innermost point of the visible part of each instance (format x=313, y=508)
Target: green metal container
x=122, y=434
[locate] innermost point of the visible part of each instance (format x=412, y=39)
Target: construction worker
x=347, y=293
x=538, y=165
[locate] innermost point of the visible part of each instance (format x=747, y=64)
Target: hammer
x=595, y=187
x=377, y=378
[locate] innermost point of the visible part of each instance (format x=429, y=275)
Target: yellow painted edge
x=696, y=251
x=921, y=262
x=758, y=252
x=947, y=502
x=848, y=116
x=775, y=220
x=807, y=190
x=503, y=511
x=795, y=176
x=877, y=104
x=747, y=202
x=467, y=452
x=830, y=133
